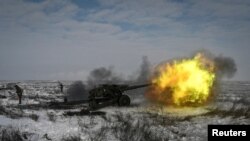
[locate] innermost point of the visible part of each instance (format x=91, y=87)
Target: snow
x=186, y=123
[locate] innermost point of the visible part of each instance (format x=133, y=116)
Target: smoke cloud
x=77, y=91
x=145, y=71
x=108, y=75
x=225, y=66
x=103, y=75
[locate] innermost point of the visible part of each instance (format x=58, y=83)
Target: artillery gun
x=111, y=94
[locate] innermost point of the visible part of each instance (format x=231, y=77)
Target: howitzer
x=111, y=94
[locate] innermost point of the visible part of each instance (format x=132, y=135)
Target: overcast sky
x=65, y=39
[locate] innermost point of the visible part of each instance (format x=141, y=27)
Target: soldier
x=65, y=100
x=19, y=92
x=61, y=87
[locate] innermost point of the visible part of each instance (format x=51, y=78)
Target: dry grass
x=71, y=138
x=16, y=114
x=235, y=111
x=124, y=127
x=11, y=134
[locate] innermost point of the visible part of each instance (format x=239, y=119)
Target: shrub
x=34, y=117
x=51, y=116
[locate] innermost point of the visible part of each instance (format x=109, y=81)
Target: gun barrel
x=136, y=87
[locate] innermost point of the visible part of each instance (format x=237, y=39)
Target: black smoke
x=103, y=75
x=225, y=66
x=77, y=91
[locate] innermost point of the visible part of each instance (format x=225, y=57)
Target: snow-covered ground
x=35, y=120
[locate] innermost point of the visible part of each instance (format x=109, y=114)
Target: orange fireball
x=184, y=82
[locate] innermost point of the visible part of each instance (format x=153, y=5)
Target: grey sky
x=59, y=39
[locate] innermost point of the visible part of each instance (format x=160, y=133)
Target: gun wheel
x=124, y=100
